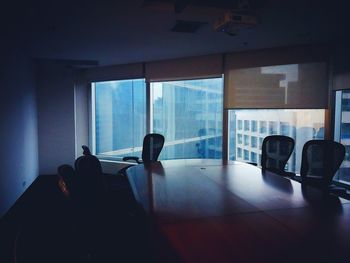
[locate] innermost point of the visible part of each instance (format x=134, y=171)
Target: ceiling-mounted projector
x=232, y=21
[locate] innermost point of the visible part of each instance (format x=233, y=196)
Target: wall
x=18, y=129
x=55, y=115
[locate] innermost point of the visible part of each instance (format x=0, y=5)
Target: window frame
x=92, y=118
x=149, y=112
x=329, y=122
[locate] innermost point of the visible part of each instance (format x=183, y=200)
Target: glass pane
x=120, y=117
x=343, y=136
x=189, y=115
x=301, y=125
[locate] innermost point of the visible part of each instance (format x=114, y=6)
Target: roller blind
x=281, y=78
x=126, y=71
x=184, y=68
x=341, y=69
x=341, y=81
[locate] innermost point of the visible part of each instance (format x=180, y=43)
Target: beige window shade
x=126, y=71
x=184, y=68
x=277, y=79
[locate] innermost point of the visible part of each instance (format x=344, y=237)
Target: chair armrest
x=131, y=158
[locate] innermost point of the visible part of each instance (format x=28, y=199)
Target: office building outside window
x=239, y=138
x=246, y=125
x=253, y=157
x=120, y=117
x=254, y=142
x=342, y=133
x=239, y=152
x=273, y=127
x=254, y=125
x=246, y=155
x=260, y=142
x=285, y=128
x=263, y=127
x=240, y=125
x=188, y=114
x=246, y=140
x=302, y=125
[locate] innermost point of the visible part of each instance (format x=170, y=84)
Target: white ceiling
x=124, y=31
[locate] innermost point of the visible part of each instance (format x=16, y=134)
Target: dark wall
x=56, y=127
x=18, y=128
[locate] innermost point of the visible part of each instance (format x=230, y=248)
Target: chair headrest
x=86, y=150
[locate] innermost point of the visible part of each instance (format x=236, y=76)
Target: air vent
x=183, y=26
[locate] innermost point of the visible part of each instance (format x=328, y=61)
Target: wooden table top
x=215, y=211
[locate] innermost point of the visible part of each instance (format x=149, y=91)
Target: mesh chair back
x=321, y=159
x=276, y=150
x=152, y=146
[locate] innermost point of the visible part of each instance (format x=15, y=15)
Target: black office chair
x=320, y=161
x=152, y=146
x=88, y=165
x=276, y=150
x=89, y=180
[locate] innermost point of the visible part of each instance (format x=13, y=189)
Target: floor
x=46, y=226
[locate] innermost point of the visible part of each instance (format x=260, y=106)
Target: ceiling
x=137, y=30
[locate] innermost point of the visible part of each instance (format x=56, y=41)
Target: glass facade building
x=187, y=113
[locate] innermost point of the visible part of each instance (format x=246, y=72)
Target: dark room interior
x=213, y=131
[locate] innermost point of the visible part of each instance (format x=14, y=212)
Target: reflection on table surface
x=214, y=211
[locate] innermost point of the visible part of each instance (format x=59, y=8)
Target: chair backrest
x=152, y=146
x=276, y=150
x=88, y=165
x=88, y=171
x=321, y=159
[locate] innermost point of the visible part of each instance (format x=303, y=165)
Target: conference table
x=218, y=211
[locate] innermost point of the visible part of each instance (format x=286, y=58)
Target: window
x=239, y=138
x=239, y=152
x=120, y=117
x=272, y=127
x=239, y=125
x=342, y=133
x=246, y=155
x=254, y=126
x=189, y=115
x=254, y=142
x=246, y=125
x=253, y=157
x=303, y=125
x=263, y=127
x=246, y=140
x=285, y=128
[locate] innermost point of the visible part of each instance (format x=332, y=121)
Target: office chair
x=152, y=146
x=89, y=182
x=276, y=150
x=88, y=166
x=320, y=161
